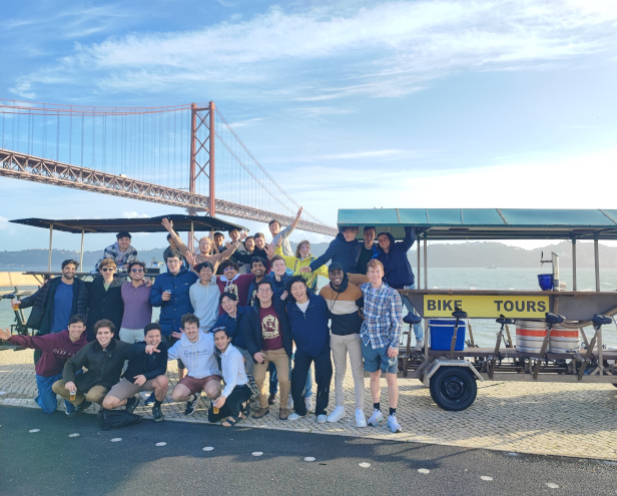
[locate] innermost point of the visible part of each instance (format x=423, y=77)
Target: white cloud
x=248, y=122
x=4, y=223
x=385, y=50
x=319, y=111
x=366, y=154
x=134, y=215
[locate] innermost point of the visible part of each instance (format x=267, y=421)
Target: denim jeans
x=46, y=398
x=418, y=329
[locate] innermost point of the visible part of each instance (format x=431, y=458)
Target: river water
x=479, y=278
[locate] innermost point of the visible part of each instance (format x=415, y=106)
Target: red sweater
x=57, y=348
x=238, y=286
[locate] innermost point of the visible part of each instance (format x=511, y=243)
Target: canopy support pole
x=596, y=252
x=573, y=264
x=425, y=262
x=419, y=271
x=81, y=251
x=51, y=238
x=192, y=236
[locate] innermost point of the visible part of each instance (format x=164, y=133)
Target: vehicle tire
x=453, y=388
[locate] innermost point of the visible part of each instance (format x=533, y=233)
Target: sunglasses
x=137, y=270
x=107, y=270
x=228, y=268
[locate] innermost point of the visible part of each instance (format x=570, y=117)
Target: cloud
x=4, y=223
x=379, y=50
x=367, y=154
x=248, y=122
x=319, y=111
x=134, y=215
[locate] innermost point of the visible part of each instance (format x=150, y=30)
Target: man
x=366, y=251
x=144, y=373
x=233, y=282
x=232, y=404
x=170, y=291
x=258, y=269
x=121, y=252
x=268, y=339
x=56, y=349
x=104, y=298
x=343, y=300
x=196, y=350
x=234, y=235
x=205, y=248
x=103, y=359
x=205, y=295
x=308, y=319
x=398, y=273
x=173, y=246
x=137, y=308
x=56, y=302
x=259, y=251
x=341, y=250
x=277, y=234
x=279, y=277
x=380, y=334
x=232, y=321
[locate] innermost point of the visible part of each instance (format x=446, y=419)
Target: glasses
x=137, y=270
x=107, y=269
x=265, y=291
x=228, y=268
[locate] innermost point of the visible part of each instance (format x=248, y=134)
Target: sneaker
x=131, y=404
x=261, y=412
x=337, y=414
x=156, y=413
x=283, y=414
x=393, y=424
x=419, y=345
x=360, y=418
x=190, y=405
x=322, y=418
x=308, y=403
x=150, y=400
x=375, y=418
x=295, y=416
x=83, y=406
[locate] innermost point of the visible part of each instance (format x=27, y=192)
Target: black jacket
x=104, y=367
x=104, y=305
x=251, y=327
x=42, y=303
x=150, y=366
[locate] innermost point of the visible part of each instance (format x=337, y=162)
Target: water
x=477, y=278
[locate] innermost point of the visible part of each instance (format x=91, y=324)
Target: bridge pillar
x=203, y=117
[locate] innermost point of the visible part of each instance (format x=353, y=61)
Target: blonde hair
x=374, y=264
x=107, y=262
x=305, y=242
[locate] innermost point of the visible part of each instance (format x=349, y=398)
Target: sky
x=348, y=104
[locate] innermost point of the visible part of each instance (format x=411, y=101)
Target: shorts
x=376, y=359
x=197, y=385
x=126, y=389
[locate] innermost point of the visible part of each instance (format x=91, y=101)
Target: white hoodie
x=198, y=357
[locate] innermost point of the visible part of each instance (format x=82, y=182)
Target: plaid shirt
x=383, y=316
x=122, y=259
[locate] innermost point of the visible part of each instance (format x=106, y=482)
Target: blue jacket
x=179, y=304
x=395, y=262
x=150, y=366
x=278, y=287
x=310, y=330
x=251, y=327
x=339, y=251
x=234, y=326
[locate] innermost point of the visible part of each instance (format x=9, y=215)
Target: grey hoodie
x=198, y=358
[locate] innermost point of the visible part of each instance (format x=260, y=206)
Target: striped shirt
x=383, y=316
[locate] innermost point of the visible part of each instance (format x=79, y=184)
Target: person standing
x=170, y=291
x=137, y=308
x=233, y=401
x=343, y=301
x=121, y=252
x=282, y=236
x=258, y=269
x=205, y=295
x=231, y=320
x=308, y=319
x=380, y=339
x=144, y=373
x=398, y=272
x=268, y=339
x=279, y=277
x=367, y=250
x=105, y=299
x=233, y=282
x=56, y=349
x=302, y=258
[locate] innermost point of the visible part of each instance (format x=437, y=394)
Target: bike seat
x=554, y=318
x=459, y=314
x=503, y=320
x=412, y=318
x=600, y=320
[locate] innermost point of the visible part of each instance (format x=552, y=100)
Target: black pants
x=233, y=404
x=323, y=376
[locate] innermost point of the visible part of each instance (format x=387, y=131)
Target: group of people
x=96, y=342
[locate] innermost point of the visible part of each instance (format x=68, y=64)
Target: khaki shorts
x=126, y=389
x=197, y=385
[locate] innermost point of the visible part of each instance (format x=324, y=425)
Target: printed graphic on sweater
x=270, y=327
x=231, y=287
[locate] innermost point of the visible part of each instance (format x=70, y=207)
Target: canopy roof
x=486, y=223
x=147, y=224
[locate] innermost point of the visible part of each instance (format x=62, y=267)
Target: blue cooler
x=441, y=332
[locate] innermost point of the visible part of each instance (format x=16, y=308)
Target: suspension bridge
x=184, y=156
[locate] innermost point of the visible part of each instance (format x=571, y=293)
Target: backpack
x=115, y=419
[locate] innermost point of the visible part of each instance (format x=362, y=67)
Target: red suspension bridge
x=184, y=156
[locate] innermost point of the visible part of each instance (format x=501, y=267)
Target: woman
x=303, y=258
x=232, y=404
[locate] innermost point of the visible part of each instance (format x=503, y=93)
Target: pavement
x=573, y=420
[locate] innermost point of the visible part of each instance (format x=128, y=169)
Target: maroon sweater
x=57, y=348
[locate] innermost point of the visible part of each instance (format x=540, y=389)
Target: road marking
x=364, y=465
x=309, y=459
x=513, y=454
x=424, y=471
x=32, y=431
x=208, y=448
x=552, y=485
x=160, y=444
x=257, y=453
x=116, y=439
x=486, y=478
x=74, y=435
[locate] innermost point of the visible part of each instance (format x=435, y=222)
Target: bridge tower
x=203, y=135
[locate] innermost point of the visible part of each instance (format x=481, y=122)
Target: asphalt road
x=49, y=462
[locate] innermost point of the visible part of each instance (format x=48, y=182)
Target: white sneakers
x=337, y=414
x=321, y=419
x=295, y=416
x=290, y=402
x=375, y=418
x=360, y=418
x=420, y=345
x=308, y=403
x=393, y=424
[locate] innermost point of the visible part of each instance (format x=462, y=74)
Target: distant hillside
x=476, y=254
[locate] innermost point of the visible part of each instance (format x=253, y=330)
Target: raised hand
x=269, y=249
x=167, y=224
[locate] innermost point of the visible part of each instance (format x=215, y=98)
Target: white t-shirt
x=303, y=306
